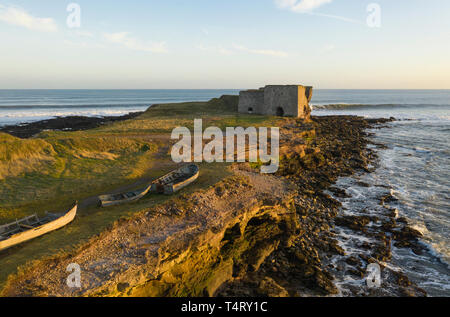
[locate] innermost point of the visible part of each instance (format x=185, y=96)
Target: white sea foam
x=14, y=117
x=414, y=166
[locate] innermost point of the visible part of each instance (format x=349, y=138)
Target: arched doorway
x=250, y=110
x=280, y=112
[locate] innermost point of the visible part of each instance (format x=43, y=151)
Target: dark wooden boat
x=175, y=180
x=116, y=199
x=32, y=227
x=167, y=184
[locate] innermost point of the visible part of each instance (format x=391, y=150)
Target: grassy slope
x=54, y=169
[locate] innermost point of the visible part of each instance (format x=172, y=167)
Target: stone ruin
x=277, y=100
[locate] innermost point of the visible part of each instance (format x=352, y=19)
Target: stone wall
x=277, y=100
x=251, y=101
x=281, y=100
x=304, y=97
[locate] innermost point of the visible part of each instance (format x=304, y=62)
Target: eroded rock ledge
x=188, y=247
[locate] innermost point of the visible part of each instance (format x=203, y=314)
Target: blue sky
x=225, y=44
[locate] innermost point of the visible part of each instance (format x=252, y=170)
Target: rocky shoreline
x=70, y=123
x=249, y=235
x=308, y=266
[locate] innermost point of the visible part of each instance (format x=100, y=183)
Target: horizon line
x=3, y=89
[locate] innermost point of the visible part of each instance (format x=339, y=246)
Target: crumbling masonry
x=277, y=100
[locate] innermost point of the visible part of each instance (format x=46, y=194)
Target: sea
x=414, y=166
x=21, y=106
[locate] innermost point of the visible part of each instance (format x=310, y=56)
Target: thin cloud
x=75, y=44
x=78, y=44
x=337, y=17
x=328, y=48
x=260, y=51
x=308, y=6
x=215, y=49
x=124, y=39
x=84, y=34
x=301, y=6
x=19, y=17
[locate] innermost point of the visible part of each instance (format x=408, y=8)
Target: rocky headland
x=70, y=123
x=248, y=235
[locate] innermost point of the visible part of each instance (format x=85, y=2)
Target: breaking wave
x=356, y=106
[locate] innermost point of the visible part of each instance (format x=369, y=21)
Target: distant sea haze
x=17, y=106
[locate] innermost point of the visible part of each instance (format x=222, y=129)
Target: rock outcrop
x=185, y=248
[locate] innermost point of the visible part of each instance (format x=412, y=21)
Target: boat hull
x=167, y=184
x=171, y=188
x=39, y=231
x=105, y=200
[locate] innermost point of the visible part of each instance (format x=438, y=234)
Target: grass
x=55, y=168
x=73, y=169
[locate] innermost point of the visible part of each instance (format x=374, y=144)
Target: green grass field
x=53, y=169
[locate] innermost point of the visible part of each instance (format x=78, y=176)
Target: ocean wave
x=72, y=106
x=16, y=117
x=343, y=106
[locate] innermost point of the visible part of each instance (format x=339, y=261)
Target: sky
x=200, y=44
